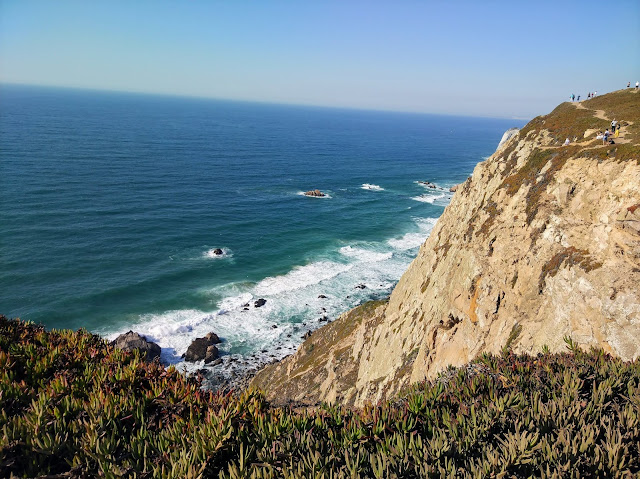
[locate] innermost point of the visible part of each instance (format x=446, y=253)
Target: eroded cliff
x=542, y=241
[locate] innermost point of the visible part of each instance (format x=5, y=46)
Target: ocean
x=112, y=205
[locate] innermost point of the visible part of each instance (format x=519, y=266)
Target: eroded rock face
x=540, y=243
x=131, y=341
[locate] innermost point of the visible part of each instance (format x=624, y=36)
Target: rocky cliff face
x=542, y=241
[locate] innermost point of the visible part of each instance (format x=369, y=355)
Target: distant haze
x=503, y=59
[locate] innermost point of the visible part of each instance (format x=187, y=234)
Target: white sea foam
x=368, y=186
x=294, y=303
x=430, y=198
x=301, y=277
x=364, y=255
x=416, y=238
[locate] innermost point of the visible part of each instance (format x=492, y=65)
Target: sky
x=478, y=58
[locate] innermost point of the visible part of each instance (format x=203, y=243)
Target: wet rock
x=218, y=252
x=316, y=193
x=306, y=335
x=203, y=349
x=274, y=326
x=217, y=362
x=428, y=184
x=322, y=296
x=361, y=286
x=260, y=302
x=213, y=338
x=131, y=341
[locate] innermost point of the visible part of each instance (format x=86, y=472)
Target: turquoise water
x=112, y=204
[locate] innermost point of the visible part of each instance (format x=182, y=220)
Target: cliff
x=542, y=241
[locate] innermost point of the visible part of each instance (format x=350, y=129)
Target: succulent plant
x=72, y=405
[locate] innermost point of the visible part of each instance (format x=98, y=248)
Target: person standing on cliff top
x=636, y=85
x=628, y=84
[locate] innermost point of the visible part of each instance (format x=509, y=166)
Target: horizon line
x=264, y=102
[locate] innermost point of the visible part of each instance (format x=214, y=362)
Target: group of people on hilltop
x=572, y=97
x=590, y=95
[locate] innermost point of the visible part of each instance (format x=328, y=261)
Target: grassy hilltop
x=72, y=406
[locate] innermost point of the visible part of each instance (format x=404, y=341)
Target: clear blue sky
x=482, y=58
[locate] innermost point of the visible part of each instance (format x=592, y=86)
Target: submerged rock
x=131, y=341
x=260, y=302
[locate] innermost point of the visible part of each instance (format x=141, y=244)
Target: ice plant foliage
x=72, y=406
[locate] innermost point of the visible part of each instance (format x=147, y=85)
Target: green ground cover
x=72, y=406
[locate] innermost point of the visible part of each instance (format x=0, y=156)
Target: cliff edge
x=542, y=241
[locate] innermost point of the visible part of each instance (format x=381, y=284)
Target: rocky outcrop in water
x=541, y=242
x=316, y=193
x=203, y=349
x=131, y=341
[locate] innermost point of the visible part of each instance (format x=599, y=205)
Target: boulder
x=315, y=193
x=260, y=302
x=453, y=189
x=131, y=341
x=361, y=286
x=322, y=296
x=213, y=337
x=202, y=349
x=218, y=252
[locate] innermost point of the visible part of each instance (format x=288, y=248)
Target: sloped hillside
x=542, y=241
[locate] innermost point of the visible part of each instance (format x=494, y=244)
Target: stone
x=453, y=189
x=322, y=296
x=260, y=302
x=218, y=252
x=213, y=337
x=316, y=193
x=202, y=349
x=131, y=341
x=361, y=286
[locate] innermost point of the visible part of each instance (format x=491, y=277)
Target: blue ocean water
x=112, y=205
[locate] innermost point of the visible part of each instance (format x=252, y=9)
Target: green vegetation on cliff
x=72, y=406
